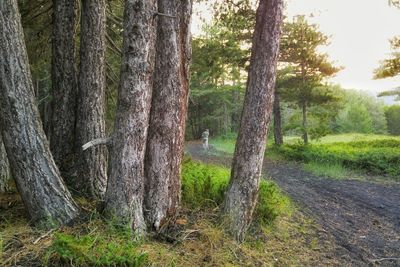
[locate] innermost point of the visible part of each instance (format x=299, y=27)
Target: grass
x=333, y=170
x=280, y=235
x=224, y=145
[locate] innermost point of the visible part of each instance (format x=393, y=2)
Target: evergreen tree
x=299, y=49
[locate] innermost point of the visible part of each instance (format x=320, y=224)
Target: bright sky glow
x=360, y=31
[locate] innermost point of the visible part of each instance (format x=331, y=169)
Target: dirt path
x=363, y=218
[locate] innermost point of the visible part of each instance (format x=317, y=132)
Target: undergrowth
x=204, y=186
x=378, y=157
x=280, y=236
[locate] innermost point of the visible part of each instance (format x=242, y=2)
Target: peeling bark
x=242, y=192
x=168, y=112
x=37, y=177
x=125, y=189
x=64, y=84
x=91, y=99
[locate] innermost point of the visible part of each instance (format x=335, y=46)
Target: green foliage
x=355, y=118
x=304, y=84
x=96, y=248
x=360, y=113
x=381, y=157
x=392, y=114
x=204, y=186
x=217, y=81
x=271, y=203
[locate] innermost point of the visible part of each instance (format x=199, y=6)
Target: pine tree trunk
x=305, y=126
x=125, y=189
x=37, y=178
x=242, y=192
x=4, y=168
x=64, y=80
x=91, y=99
x=165, y=141
x=278, y=137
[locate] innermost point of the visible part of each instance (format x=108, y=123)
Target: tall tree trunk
x=242, y=192
x=4, y=168
x=305, y=126
x=36, y=175
x=165, y=141
x=125, y=190
x=64, y=83
x=91, y=98
x=278, y=137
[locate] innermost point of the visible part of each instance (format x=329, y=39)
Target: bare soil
x=362, y=217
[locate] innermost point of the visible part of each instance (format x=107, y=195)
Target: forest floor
x=360, y=216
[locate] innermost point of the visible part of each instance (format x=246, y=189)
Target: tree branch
x=96, y=142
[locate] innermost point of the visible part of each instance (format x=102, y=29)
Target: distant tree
x=241, y=196
x=166, y=135
x=64, y=83
x=125, y=189
x=37, y=177
x=299, y=49
x=90, y=122
x=283, y=79
x=216, y=83
x=278, y=135
x=355, y=118
x=361, y=113
x=392, y=114
x=220, y=60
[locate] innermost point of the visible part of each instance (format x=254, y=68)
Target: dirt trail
x=363, y=218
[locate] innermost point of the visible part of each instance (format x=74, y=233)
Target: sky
x=359, y=33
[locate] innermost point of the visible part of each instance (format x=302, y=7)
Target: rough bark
x=242, y=192
x=37, y=178
x=4, y=168
x=64, y=83
x=278, y=137
x=165, y=141
x=305, y=126
x=91, y=99
x=125, y=189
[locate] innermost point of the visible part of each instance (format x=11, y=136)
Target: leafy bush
x=204, y=186
x=380, y=157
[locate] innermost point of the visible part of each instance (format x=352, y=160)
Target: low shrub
x=380, y=157
x=204, y=185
